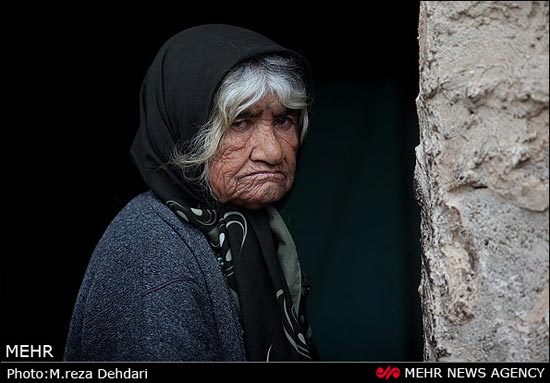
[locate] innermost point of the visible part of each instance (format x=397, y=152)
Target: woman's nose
x=267, y=147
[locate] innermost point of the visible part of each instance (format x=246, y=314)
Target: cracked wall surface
x=482, y=180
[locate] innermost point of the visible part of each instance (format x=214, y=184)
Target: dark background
x=70, y=84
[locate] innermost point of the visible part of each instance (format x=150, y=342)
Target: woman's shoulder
x=146, y=217
x=146, y=211
x=146, y=229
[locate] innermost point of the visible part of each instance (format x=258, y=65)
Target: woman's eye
x=284, y=121
x=242, y=124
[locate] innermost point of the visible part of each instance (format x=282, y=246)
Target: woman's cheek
x=223, y=171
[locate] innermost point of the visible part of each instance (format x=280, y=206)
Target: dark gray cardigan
x=153, y=290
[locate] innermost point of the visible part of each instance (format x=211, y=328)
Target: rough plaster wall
x=482, y=180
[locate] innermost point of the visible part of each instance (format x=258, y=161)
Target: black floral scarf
x=259, y=259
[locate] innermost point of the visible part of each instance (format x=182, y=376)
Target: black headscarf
x=254, y=248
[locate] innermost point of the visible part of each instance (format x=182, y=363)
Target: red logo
x=389, y=372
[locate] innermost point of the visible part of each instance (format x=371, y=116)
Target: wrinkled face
x=255, y=162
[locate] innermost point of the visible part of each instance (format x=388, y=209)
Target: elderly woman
x=202, y=267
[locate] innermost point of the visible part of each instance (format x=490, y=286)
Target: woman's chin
x=266, y=196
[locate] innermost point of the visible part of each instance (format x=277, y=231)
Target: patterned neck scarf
x=259, y=259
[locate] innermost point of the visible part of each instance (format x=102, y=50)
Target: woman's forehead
x=268, y=103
